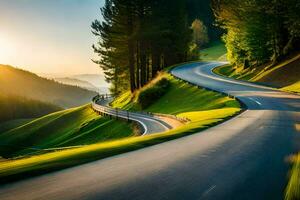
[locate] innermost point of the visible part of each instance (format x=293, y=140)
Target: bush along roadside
x=151, y=94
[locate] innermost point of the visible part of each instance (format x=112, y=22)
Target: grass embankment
x=285, y=75
x=203, y=108
x=216, y=52
x=72, y=127
x=293, y=187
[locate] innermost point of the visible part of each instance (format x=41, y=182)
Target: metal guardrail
x=115, y=111
x=130, y=116
x=106, y=110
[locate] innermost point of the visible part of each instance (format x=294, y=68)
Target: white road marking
x=209, y=190
x=255, y=101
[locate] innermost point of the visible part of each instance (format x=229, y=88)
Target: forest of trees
x=138, y=38
x=17, y=107
x=259, y=31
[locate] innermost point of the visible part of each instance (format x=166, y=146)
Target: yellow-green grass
x=293, y=88
x=22, y=167
x=293, y=187
x=266, y=72
x=216, y=51
x=180, y=98
x=285, y=75
x=72, y=127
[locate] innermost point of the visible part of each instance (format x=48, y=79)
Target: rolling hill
x=16, y=107
x=14, y=81
x=68, y=128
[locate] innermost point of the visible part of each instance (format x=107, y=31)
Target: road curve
x=243, y=158
x=149, y=123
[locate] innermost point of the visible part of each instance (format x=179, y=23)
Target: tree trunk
x=143, y=63
x=138, y=72
x=131, y=49
x=155, y=63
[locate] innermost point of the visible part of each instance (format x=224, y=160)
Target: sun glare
x=6, y=48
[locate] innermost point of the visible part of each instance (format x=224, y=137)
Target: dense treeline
x=259, y=31
x=16, y=107
x=137, y=38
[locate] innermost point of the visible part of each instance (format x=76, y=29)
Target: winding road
x=242, y=158
x=148, y=123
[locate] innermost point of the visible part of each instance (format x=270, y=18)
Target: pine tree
x=137, y=38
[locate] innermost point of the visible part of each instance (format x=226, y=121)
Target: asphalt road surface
x=243, y=158
x=148, y=123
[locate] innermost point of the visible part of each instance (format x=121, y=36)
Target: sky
x=49, y=36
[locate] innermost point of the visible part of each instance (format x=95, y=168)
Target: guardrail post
x=127, y=115
x=116, y=113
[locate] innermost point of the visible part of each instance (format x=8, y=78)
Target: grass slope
x=14, y=81
x=203, y=108
x=11, y=124
x=285, y=75
x=180, y=98
x=216, y=51
x=293, y=187
x=15, y=107
x=77, y=126
x=293, y=88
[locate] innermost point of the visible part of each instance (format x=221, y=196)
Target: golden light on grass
x=297, y=127
x=70, y=157
x=293, y=187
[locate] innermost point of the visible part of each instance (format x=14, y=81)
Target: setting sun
x=6, y=47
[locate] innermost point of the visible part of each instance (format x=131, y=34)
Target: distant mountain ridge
x=77, y=82
x=94, y=82
x=14, y=81
x=97, y=80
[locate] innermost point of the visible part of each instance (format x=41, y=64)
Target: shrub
x=151, y=94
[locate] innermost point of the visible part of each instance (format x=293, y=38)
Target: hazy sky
x=49, y=36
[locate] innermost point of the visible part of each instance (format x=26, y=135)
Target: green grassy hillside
x=284, y=75
x=18, y=82
x=11, y=124
x=180, y=98
x=216, y=51
x=16, y=107
x=293, y=186
x=73, y=127
x=202, y=107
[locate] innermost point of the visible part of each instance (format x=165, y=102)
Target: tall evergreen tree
x=137, y=38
